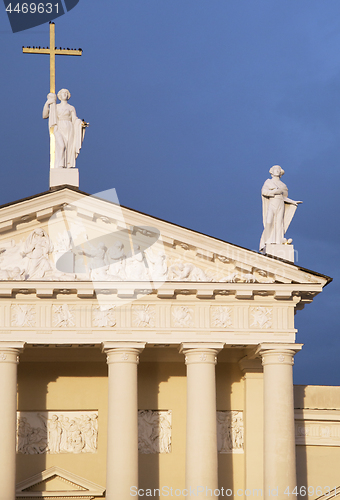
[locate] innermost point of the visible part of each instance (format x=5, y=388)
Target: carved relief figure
x=221, y=317
x=135, y=266
x=104, y=315
x=63, y=316
x=54, y=431
x=30, y=440
x=278, y=210
x=37, y=249
x=117, y=260
x=12, y=274
x=262, y=317
x=99, y=264
x=143, y=316
x=57, y=433
x=187, y=272
x=23, y=315
x=158, y=268
x=230, y=278
x=182, y=316
x=154, y=431
x=230, y=431
x=68, y=130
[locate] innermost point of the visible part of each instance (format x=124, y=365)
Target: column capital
x=277, y=353
x=201, y=352
x=122, y=352
x=9, y=351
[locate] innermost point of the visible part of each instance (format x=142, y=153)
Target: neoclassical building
x=140, y=358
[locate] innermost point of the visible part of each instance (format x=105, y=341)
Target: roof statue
x=66, y=129
x=278, y=211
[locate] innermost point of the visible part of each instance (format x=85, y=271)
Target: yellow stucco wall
x=77, y=380
x=318, y=466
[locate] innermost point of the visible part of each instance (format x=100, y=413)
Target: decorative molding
x=57, y=432
x=317, y=427
x=143, y=316
x=230, y=432
x=221, y=317
x=262, y=317
x=64, y=485
x=182, y=316
x=104, y=316
x=154, y=431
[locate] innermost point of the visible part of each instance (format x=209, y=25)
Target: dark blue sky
x=190, y=102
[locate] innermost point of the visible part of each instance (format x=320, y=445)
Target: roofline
x=77, y=190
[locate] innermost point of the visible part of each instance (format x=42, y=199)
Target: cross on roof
x=52, y=51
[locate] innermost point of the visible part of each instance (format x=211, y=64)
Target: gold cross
x=52, y=51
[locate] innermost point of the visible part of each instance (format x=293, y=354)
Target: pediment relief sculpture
x=36, y=258
x=77, y=242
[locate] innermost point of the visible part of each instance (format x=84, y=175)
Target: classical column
x=279, y=429
x=122, y=432
x=9, y=357
x=201, y=474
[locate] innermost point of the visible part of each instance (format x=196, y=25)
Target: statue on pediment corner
x=278, y=210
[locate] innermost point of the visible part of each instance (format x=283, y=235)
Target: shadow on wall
x=161, y=386
x=67, y=380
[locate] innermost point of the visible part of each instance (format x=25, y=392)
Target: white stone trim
x=317, y=427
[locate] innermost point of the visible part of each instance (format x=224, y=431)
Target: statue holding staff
x=68, y=129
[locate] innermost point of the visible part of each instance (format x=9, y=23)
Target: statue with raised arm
x=278, y=210
x=67, y=128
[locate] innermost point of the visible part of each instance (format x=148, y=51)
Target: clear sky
x=190, y=102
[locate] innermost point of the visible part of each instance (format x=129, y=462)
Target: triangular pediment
x=58, y=483
x=102, y=241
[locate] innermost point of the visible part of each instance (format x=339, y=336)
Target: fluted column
x=9, y=358
x=279, y=430
x=201, y=473
x=122, y=433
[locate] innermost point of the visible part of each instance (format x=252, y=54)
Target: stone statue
x=278, y=210
x=37, y=248
x=68, y=130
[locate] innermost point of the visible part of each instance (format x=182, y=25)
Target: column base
x=64, y=176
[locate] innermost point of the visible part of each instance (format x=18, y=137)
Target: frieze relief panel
x=221, y=317
x=23, y=315
x=143, y=316
x=57, y=432
x=182, y=316
x=154, y=431
x=230, y=431
x=68, y=314
x=63, y=316
x=261, y=317
x=104, y=316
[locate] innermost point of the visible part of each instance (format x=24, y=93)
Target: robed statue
x=278, y=210
x=67, y=128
